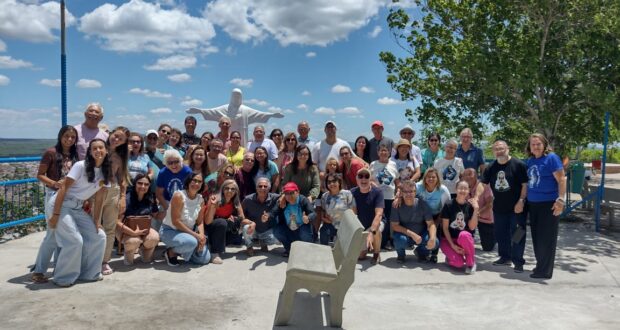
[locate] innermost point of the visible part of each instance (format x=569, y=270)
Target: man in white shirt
x=303, y=128
x=330, y=147
x=261, y=140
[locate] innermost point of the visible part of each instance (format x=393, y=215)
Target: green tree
x=510, y=68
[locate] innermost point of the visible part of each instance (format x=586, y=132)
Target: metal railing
x=21, y=201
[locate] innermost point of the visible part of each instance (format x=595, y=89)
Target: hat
x=330, y=122
x=151, y=131
x=377, y=123
x=406, y=128
x=291, y=186
x=403, y=142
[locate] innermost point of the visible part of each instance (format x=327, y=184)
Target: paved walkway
x=242, y=293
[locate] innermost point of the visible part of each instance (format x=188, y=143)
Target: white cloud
x=138, y=26
x=230, y=51
x=341, y=89
x=240, y=82
x=4, y=80
x=150, y=93
x=258, y=102
x=88, y=83
x=181, y=77
x=174, y=62
x=389, y=101
x=303, y=107
x=325, y=111
x=274, y=109
x=130, y=118
x=288, y=111
x=50, y=82
x=2, y=46
x=367, y=90
x=158, y=111
x=349, y=111
x=7, y=62
x=190, y=102
x=31, y=22
x=310, y=22
x=375, y=32
x=305, y=93
x=310, y=54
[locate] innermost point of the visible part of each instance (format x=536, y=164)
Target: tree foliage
x=510, y=68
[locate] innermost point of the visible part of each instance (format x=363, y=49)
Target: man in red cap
x=378, y=139
x=294, y=215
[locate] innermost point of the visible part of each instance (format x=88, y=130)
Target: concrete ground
x=242, y=293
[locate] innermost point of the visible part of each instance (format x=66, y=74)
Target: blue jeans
x=266, y=237
x=402, y=241
x=82, y=244
x=505, y=225
x=185, y=245
x=287, y=236
x=326, y=232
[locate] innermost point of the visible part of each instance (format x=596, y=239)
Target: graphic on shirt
x=384, y=177
x=174, y=185
x=405, y=173
x=66, y=167
x=533, y=176
x=459, y=223
x=449, y=173
x=501, y=184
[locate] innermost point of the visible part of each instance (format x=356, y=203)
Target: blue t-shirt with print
x=541, y=184
x=172, y=182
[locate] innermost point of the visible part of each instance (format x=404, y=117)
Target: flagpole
x=63, y=64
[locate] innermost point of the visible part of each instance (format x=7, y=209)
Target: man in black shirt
x=507, y=177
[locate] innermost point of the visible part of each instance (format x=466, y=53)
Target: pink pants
x=466, y=242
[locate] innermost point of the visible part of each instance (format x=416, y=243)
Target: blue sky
x=146, y=62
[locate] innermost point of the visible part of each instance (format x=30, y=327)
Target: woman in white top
x=384, y=175
x=81, y=238
x=182, y=230
x=450, y=167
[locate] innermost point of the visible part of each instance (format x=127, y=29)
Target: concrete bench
x=611, y=200
x=319, y=268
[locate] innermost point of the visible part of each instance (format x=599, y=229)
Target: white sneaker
x=470, y=270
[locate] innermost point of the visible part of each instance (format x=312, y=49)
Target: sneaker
x=433, y=259
x=502, y=262
x=536, y=275
x=216, y=259
x=470, y=270
x=171, y=261
x=518, y=268
x=249, y=251
x=421, y=258
x=376, y=258
x=39, y=278
x=264, y=248
x=400, y=259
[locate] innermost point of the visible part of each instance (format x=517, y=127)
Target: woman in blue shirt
x=545, y=195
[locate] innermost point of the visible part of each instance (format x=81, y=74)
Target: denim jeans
x=287, y=236
x=505, y=226
x=266, y=237
x=82, y=244
x=402, y=241
x=326, y=232
x=184, y=244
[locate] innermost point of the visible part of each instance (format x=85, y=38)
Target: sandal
x=106, y=269
x=39, y=278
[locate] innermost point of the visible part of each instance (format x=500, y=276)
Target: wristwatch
x=560, y=200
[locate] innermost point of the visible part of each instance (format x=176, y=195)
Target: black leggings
x=216, y=232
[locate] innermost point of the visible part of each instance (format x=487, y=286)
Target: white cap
x=151, y=131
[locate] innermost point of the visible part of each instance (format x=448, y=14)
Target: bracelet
x=56, y=213
x=560, y=200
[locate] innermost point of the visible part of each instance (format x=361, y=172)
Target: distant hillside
x=24, y=147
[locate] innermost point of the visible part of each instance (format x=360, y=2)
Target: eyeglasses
x=249, y=160
x=291, y=140
x=151, y=137
x=173, y=162
x=262, y=186
x=363, y=176
x=230, y=189
x=196, y=181
x=165, y=132
x=433, y=140
x=277, y=134
x=332, y=181
x=304, y=154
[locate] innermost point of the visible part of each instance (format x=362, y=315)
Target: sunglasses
x=230, y=189
x=152, y=137
x=363, y=176
x=165, y=132
x=173, y=162
x=433, y=140
x=277, y=134
x=262, y=187
x=291, y=140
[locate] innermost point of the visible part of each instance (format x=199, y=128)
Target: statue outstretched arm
x=210, y=114
x=255, y=116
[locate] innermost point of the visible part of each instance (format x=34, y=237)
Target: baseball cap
x=330, y=122
x=406, y=128
x=290, y=186
x=151, y=131
x=377, y=123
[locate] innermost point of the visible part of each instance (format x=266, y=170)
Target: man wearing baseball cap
x=294, y=216
x=378, y=138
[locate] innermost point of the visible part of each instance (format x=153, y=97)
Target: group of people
x=198, y=194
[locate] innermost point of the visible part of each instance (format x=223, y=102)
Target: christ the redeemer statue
x=240, y=115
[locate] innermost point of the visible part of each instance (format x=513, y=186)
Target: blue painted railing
x=19, y=198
